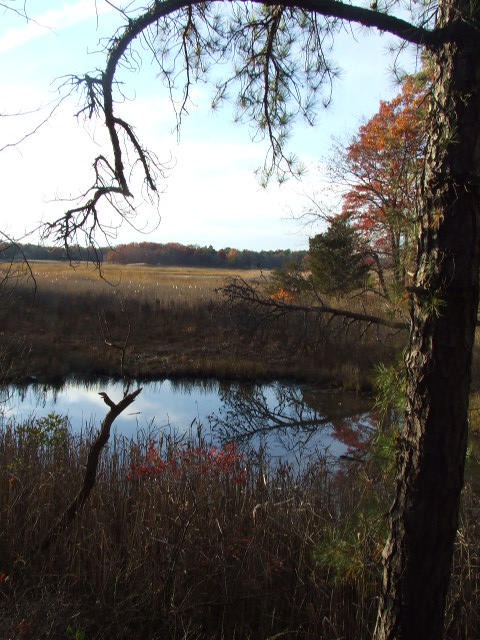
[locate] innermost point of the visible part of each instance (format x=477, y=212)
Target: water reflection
x=293, y=422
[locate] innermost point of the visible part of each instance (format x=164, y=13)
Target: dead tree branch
x=115, y=344
x=239, y=290
x=14, y=266
x=183, y=29
x=92, y=465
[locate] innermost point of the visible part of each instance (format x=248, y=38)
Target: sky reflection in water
x=294, y=421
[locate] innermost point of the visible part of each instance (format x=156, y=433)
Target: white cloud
x=52, y=20
x=211, y=195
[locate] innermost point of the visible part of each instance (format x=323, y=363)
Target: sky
x=210, y=194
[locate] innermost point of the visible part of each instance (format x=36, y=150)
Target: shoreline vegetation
x=178, y=555
x=183, y=540
x=172, y=322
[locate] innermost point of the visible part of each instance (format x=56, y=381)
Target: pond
x=293, y=421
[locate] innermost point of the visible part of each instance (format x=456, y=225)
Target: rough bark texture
x=424, y=516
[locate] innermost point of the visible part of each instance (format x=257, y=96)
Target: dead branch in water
x=92, y=465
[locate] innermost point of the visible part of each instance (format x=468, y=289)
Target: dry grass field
x=167, y=321
x=126, y=276
x=143, y=283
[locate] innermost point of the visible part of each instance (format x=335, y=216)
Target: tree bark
x=424, y=515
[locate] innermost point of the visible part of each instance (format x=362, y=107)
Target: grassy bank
x=184, y=542
x=172, y=321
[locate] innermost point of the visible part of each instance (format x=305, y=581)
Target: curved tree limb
x=371, y=18
x=92, y=464
x=100, y=99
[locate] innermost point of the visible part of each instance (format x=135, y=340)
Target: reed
x=173, y=321
x=179, y=540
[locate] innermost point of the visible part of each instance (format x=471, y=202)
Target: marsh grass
x=174, y=322
x=182, y=553
x=178, y=555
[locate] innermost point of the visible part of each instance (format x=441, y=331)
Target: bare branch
x=111, y=342
x=239, y=289
x=14, y=266
x=267, y=48
x=22, y=12
x=36, y=128
x=92, y=464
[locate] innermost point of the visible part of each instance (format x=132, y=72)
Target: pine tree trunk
x=444, y=302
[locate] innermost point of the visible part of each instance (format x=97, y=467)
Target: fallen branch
x=92, y=465
x=239, y=289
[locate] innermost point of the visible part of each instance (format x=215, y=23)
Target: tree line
x=168, y=254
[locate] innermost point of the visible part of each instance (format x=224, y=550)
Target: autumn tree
x=280, y=66
x=382, y=168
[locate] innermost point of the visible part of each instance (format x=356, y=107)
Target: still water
x=294, y=422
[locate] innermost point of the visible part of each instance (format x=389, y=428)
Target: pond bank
x=50, y=362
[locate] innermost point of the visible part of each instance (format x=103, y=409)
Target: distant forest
x=170, y=254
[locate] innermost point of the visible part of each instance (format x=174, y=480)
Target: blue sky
x=211, y=195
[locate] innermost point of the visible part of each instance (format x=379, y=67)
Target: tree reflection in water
x=293, y=422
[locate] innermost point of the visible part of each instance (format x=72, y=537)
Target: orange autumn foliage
x=382, y=166
x=282, y=295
